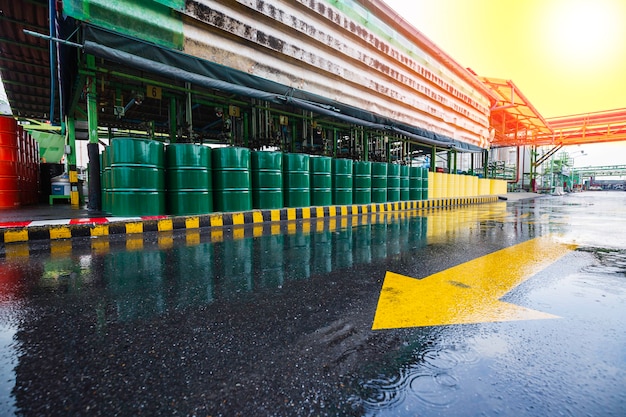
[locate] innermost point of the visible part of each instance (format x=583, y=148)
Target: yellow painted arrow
x=466, y=293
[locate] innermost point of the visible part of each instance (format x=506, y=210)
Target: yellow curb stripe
x=60, y=233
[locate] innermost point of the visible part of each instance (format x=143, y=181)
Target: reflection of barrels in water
x=379, y=182
x=321, y=255
x=269, y=264
x=236, y=257
x=137, y=291
x=362, y=182
x=297, y=256
x=9, y=166
x=296, y=180
x=137, y=177
x=393, y=182
x=321, y=181
x=192, y=275
x=379, y=240
x=267, y=179
x=188, y=179
x=362, y=244
x=342, y=181
x=231, y=179
x=342, y=248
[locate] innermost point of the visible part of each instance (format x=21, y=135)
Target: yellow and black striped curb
x=217, y=220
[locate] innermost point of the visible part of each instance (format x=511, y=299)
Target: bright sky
x=566, y=56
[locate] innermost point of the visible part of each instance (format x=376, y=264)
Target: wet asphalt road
x=279, y=323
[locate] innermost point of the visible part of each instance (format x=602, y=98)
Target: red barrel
x=9, y=163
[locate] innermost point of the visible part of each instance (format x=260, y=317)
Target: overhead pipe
x=52, y=27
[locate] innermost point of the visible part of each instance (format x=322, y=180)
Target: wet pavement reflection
x=276, y=320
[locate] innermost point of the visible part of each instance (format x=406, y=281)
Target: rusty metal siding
x=346, y=55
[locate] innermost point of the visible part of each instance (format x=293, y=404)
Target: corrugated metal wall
x=338, y=50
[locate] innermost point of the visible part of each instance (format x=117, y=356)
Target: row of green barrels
x=143, y=178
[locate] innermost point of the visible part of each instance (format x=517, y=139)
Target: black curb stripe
x=37, y=233
x=203, y=221
x=117, y=228
x=81, y=230
x=150, y=226
x=267, y=215
x=227, y=219
x=178, y=223
x=326, y=211
x=247, y=217
x=299, y=213
x=283, y=214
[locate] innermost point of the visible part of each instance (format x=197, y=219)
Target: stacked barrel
x=136, y=183
x=145, y=177
x=321, y=181
x=267, y=180
x=231, y=179
x=188, y=179
x=19, y=165
x=343, y=182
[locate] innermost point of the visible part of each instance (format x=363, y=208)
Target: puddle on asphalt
x=282, y=322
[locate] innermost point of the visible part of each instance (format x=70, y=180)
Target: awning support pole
x=95, y=190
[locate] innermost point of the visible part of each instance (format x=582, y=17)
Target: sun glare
x=583, y=30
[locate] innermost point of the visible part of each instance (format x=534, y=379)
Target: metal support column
x=433, y=158
x=71, y=162
x=188, y=112
x=95, y=190
x=173, y=119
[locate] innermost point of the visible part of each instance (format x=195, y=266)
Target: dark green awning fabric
x=180, y=66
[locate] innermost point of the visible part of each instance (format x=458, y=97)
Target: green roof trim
x=155, y=21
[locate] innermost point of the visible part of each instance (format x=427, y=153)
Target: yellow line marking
x=60, y=233
x=192, y=223
x=306, y=212
x=275, y=215
x=99, y=230
x=11, y=236
x=466, y=293
x=238, y=219
x=165, y=225
x=217, y=220
x=291, y=214
x=257, y=217
x=136, y=227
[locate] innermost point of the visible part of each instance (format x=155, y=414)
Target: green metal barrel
x=188, y=179
x=379, y=182
x=393, y=182
x=296, y=180
x=105, y=179
x=362, y=186
x=137, y=177
x=321, y=181
x=415, y=183
x=231, y=179
x=267, y=179
x=342, y=181
x=424, y=184
x=404, y=183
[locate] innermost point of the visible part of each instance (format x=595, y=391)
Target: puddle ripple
x=429, y=378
